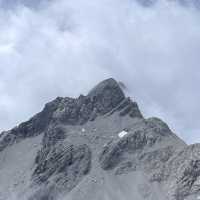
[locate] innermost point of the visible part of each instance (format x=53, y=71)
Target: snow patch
x=122, y=134
x=198, y=197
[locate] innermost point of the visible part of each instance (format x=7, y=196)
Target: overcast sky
x=63, y=48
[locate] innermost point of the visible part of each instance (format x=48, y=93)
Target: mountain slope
x=96, y=147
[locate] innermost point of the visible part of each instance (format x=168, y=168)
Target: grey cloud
x=66, y=47
x=10, y=4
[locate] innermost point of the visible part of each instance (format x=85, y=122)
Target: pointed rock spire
x=108, y=94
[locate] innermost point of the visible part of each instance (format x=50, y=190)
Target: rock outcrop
x=91, y=147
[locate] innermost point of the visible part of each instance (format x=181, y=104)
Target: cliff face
x=95, y=147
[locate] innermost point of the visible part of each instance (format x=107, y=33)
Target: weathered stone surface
x=106, y=95
x=80, y=153
x=64, y=164
x=33, y=127
x=184, y=173
x=127, y=107
x=53, y=135
x=104, y=98
x=113, y=152
x=149, y=133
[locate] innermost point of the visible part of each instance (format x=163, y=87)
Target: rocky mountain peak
x=97, y=146
x=106, y=95
x=106, y=98
x=108, y=89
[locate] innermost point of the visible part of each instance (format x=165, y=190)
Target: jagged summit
x=97, y=146
x=106, y=98
x=109, y=87
x=108, y=93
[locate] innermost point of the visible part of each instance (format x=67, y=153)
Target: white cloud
x=64, y=47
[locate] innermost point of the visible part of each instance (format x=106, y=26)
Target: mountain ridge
x=91, y=147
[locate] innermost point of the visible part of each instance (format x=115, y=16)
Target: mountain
x=97, y=147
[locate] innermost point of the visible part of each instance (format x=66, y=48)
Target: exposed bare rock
x=97, y=146
x=61, y=168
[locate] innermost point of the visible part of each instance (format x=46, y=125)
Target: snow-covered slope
x=96, y=147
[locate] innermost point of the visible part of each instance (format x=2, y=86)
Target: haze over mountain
x=93, y=147
x=63, y=48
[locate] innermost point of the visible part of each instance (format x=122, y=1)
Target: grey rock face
x=184, y=172
x=32, y=127
x=106, y=95
x=64, y=164
x=104, y=98
x=113, y=152
x=82, y=154
x=150, y=133
x=53, y=135
x=127, y=107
